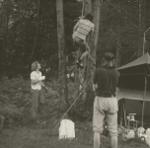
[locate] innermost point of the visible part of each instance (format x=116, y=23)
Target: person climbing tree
x=81, y=34
x=82, y=29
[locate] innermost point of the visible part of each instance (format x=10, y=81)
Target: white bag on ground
x=147, y=139
x=66, y=129
x=140, y=132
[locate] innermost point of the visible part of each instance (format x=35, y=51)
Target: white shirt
x=36, y=76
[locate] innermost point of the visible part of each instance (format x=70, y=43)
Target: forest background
x=28, y=32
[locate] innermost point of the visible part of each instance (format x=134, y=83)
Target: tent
x=143, y=60
x=135, y=81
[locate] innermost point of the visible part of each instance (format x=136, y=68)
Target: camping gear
x=131, y=122
x=147, y=139
x=140, y=132
x=128, y=134
x=144, y=135
x=66, y=129
x=134, y=82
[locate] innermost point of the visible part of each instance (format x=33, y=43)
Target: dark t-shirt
x=107, y=81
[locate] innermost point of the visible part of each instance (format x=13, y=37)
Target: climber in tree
x=81, y=33
x=82, y=29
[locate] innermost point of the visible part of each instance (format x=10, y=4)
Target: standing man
x=105, y=104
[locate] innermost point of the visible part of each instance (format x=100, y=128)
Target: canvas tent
x=134, y=79
x=135, y=82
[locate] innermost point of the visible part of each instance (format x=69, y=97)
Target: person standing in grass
x=106, y=79
x=36, y=88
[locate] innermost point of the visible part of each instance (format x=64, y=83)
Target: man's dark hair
x=108, y=59
x=108, y=56
x=89, y=17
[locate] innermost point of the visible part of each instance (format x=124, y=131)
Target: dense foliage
x=28, y=31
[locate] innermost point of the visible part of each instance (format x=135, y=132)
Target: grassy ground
x=15, y=98
x=35, y=137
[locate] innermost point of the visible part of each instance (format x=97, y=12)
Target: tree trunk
x=88, y=6
x=61, y=49
x=118, y=50
x=60, y=37
x=140, y=32
x=96, y=5
x=4, y=16
x=37, y=30
x=118, y=42
x=94, y=8
x=96, y=14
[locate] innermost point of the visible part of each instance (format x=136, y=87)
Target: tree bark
x=96, y=13
x=60, y=37
x=118, y=50
x=88, y=6
x=93, y=6
x=37, y=31
x=118, y=42
x=140, y=32
x=4, y=16
x=61, y=49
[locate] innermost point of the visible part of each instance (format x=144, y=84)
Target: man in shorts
x=106, y=79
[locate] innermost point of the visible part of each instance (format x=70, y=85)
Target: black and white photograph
x=74, y=73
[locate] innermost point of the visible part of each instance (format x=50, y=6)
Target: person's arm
x=76, y=26
x=95, y=86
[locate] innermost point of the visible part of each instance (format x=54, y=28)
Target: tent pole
x=124, y=113
x=143, y=106
x=143, y=103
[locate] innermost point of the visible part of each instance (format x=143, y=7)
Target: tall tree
x=118, y=42
x=95, y=6
x=141, y=27
x=61, y=48
x=37, y=31
x=60, y=36
x=4, y=16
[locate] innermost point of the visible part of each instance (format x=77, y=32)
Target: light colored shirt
x=83, y=28
x=36, y=76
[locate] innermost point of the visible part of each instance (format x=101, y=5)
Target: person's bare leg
x=114, y=141
x=84, y=54
x=113, y=129
x=97, y=140
x=87, y=47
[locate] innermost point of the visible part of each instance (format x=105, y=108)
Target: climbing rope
x=83, y=8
